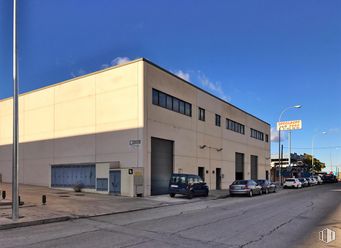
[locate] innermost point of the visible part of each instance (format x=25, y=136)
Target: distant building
x=297, y=168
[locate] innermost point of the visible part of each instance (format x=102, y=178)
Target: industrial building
x=125, y=129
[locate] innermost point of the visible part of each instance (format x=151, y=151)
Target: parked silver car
x=245, y=187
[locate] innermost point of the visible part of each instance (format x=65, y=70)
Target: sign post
x=287, y=126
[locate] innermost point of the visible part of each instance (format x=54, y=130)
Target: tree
x=318, y=165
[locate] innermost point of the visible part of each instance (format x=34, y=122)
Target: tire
x=172, y=195
x=190, y=195
x=206, y=193
x=250, y=193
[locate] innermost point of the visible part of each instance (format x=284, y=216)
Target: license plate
x=174, y=186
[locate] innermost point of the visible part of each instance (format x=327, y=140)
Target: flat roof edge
x=193, y=85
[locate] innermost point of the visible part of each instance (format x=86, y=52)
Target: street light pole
x=312, y=148
x=15, y=154
x=279, y=141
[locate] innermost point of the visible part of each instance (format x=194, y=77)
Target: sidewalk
x=65, y=205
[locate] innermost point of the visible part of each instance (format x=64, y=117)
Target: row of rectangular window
x=257, y=134
x=172, y=103
x=235, y=126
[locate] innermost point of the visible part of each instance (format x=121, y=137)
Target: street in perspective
x=170, y=124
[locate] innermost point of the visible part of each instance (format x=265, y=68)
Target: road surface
x=288, y=218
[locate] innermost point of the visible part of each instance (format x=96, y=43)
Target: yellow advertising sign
x=289, y=125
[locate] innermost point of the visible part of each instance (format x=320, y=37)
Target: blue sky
x=261, y=56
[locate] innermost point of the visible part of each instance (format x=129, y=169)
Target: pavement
x=64, y=205
x=284, y=219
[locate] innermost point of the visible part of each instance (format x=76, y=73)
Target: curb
x=34, y=222
x=75, y=217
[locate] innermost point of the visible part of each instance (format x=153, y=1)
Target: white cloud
x=119, y=61
x=104, y=66
x=275, y=136
x=214, y=87
x=182, y=74
x=78, y=73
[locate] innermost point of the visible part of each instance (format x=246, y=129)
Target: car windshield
x=178, y=179
x=240, y=182
x=290, y=180
x=260, y=181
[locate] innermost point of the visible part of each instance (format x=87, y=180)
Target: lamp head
x=324, y=132
x=203, y=147
x=298, y=106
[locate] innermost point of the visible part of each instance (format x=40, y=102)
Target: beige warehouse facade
x=124, y=129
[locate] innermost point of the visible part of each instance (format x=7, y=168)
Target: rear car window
x=240, y=182
x=178, y=179
x=290, y=180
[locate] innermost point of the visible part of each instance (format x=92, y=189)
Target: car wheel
x=172, y=195
x=190, y=195
x=250, y=193
x=206, y=193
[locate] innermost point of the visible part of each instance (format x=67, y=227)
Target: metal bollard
x=19, y=200
x=43, y=199
x=3, y=195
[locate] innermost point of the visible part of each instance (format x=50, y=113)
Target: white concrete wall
x=189, y=133
x=87, y=119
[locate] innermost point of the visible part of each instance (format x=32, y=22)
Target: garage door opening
x=161, y=165
x=239, y=166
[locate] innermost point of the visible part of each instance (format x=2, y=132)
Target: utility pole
x=15, y=155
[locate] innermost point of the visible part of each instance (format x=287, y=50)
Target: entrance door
x=267, y=175
x=254, y=167
x=115, y=182
x=218, y=178
x=161, y=165
x=239, y=166
x=201, y=172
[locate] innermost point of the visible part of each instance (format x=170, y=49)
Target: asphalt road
x=283, y=219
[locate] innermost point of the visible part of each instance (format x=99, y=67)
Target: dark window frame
x=217, y=120
x=201, y=114
x=172, y=103
x=235, y=126
x=256, y=134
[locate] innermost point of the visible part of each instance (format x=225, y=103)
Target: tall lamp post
x=15, y=148
x=312, y=147
x=279, y=140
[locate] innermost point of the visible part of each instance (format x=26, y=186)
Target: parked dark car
x=245, y=187
x=329, y=178
x=304, y=182
x=187, y=184
x=267, y=186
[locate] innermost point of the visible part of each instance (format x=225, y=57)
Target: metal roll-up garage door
x=239, y=166
x=254, y=167
x=161, y=165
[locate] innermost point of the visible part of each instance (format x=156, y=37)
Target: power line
x=315, y=148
